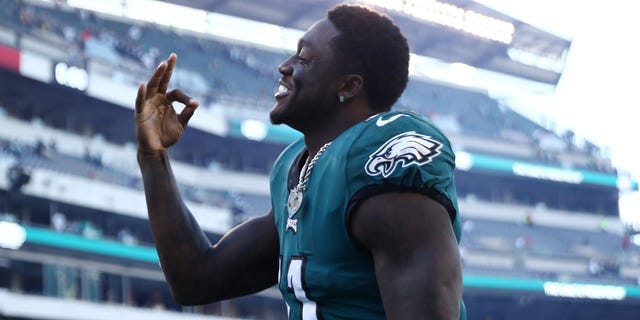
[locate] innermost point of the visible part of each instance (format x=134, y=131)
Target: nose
x=285, y=67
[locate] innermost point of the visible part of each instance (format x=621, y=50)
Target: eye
x=302, y=60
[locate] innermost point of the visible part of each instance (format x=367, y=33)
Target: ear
x=351, y=86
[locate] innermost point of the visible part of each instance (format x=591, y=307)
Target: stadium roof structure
x=450, y=30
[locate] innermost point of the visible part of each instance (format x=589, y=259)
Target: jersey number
x=296, y=285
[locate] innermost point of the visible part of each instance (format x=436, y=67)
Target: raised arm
x=415, y=253
x=244, y=261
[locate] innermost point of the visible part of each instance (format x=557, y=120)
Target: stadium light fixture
x=281, y=38
x=12, y=235
x=464, y=161
x=254, y=129
x=71, y=76
x=451, y=16
x=529, y=58
x=584, y=291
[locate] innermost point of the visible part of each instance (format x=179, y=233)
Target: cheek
x=298, y=76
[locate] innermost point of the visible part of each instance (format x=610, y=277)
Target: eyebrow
x=302, y=42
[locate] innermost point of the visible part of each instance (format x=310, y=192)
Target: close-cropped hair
x=371, y=44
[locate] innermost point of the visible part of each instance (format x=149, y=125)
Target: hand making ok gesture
x=158, y=126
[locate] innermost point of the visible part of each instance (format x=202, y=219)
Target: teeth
x=282, y=89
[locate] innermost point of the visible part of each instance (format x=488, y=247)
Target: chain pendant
x=295, y=201
x=296, y=195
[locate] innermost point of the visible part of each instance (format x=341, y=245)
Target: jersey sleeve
x=401, y=152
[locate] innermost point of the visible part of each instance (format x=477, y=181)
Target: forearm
x=244, y=261
x=181, y=244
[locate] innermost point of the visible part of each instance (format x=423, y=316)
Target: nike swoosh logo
x=381, y=122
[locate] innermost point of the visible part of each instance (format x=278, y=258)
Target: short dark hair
x=370, y=44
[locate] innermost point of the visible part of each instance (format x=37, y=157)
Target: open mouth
x=282, y=92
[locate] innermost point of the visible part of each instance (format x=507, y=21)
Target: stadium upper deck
x=507, y=176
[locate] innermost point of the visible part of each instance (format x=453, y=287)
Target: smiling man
x=364, y=221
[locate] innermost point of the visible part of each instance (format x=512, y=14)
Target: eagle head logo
x=402, y=150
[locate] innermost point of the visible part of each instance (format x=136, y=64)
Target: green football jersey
x=323, y=273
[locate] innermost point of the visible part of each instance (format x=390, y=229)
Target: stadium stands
x=82, y=208
x=228, y=73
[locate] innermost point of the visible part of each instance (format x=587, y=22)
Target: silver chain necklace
x=296, y=195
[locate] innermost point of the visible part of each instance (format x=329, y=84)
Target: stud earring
x=341, y=99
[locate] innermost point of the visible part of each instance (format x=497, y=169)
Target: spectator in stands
x=39, y=148
x=365, y=221
x=90, y=230
x=125, y=236
x=595, y=267
x=238, y=208
x=156, y=301
x=523, y=243
x=626, y=241
x=59, y=222
x=463, y=254
x=528, y=219
x=17, y=176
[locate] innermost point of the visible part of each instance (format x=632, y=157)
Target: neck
x=326, y=132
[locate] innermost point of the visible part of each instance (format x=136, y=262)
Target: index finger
x=164, y=82
x=154, y=81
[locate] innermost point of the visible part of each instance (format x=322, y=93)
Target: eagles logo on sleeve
x=402, y=150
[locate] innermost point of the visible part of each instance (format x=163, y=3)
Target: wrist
x=146, y=154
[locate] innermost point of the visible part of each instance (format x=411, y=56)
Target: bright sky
x=597, y=93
